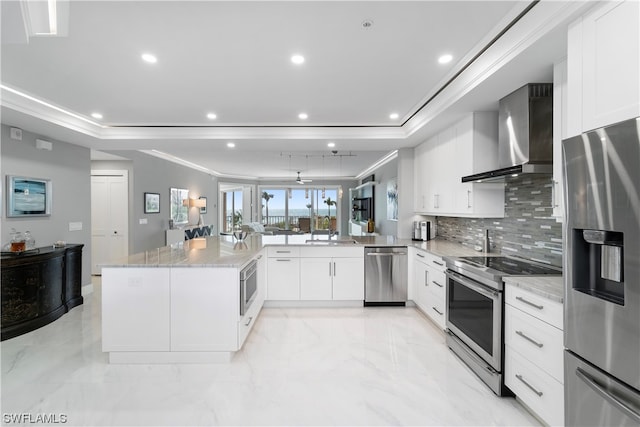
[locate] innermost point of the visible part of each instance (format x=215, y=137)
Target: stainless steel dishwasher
x=385, y=275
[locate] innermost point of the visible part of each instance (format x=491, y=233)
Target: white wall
x=155, y=175
x=68, y=167
x=383, y=175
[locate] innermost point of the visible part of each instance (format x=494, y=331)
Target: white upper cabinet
x=603, y=66
x=468, y=147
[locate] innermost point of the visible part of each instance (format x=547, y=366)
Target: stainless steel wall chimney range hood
x=525, y=134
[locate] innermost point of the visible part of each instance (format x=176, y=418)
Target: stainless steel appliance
x=417, y=231
x=602, y=277
x=248, y=286
x=525, y=134
x=385, y=275
x=425, y=230
x=421, y=231
x=475, y=307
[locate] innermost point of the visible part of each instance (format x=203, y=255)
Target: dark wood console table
x=38, y=287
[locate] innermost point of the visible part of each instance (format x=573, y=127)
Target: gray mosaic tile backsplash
x=528, y=229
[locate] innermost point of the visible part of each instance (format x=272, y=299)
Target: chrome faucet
x=327, y=219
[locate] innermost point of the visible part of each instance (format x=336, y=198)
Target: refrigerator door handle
x=602, y=391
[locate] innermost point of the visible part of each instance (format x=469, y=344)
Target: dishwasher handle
x=386, y=253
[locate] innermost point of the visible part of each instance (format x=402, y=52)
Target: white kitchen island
x=179, y=303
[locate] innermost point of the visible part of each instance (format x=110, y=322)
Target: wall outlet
x=16, y=134
x=75, y=226
x=142, y=221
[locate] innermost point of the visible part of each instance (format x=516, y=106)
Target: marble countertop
x=444, y=248
x=226, y=252
x=212, y=251
x=551, y=287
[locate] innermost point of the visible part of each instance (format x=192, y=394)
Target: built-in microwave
x=248, y=286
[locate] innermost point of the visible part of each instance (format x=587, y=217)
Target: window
x=179, y=212
x=231, y=210
x=300, y=208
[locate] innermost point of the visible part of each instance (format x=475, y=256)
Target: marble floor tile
x=299, y=366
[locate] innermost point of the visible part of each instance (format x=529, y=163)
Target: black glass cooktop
x=509, y=266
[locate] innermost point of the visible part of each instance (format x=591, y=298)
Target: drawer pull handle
x=249, y=322
x=419, y=255
x=283, y=260
x=539, y=393
x=540, y=345
x=283, y=252
x=437, y=311
x=437, y=284
x=437, y=263
x=539, y=307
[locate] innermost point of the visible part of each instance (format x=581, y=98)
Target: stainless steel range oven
x=475, y=311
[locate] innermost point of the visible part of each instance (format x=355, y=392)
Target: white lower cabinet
x=316, y=279
x=199, y=297
x=283, y=278
x=348, y=279
x=429, y=286
x=136, y=309
x=331, y=279
x=315, y=273
x=534, y=352
x=283, y=273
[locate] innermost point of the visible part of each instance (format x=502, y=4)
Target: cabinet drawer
x=331, y=251
x=431, y=260
x=538, y=306
x=537, y=389
x=537, y=341
x=436, y=309
x=437, y=282
x=283, y=251
x=246, y=323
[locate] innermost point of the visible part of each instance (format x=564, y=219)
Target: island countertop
x=226, y=252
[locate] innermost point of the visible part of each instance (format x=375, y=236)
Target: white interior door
x=109, y=217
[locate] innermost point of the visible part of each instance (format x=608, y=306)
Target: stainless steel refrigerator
x=602, y=277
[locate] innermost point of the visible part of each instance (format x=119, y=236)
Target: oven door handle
x=471, y=285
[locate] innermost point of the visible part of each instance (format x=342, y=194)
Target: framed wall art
x=151, y=203
x=28, y=196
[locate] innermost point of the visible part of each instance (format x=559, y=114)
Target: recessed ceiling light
x=150, y=58
x=394, y=116
x=445, y=59
x=212, y=116
x=303, y=116
x=231, y=144
x=331, y=144
x=96, y=115
x=297, y=59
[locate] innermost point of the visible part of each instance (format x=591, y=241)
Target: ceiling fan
x=302, y=181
